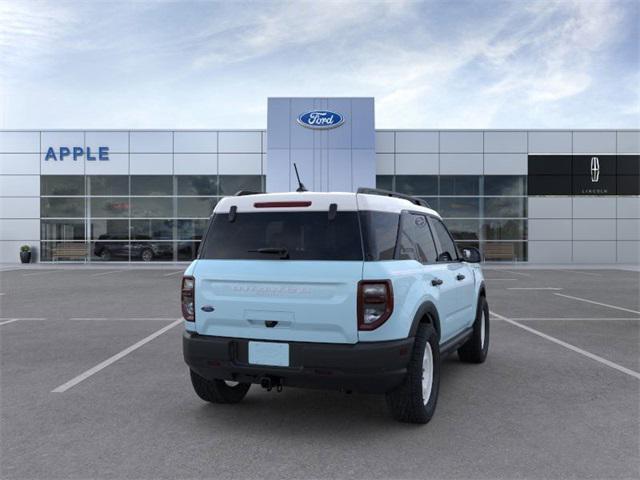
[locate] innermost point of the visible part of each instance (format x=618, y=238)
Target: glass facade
x=488, y=212
x=137, y=218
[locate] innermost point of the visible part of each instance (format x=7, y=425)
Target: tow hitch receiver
x=269, y=383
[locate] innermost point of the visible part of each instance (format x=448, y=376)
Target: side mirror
x=444, y=257
x=471, y=255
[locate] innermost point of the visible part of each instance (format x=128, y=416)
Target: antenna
x=301, y=187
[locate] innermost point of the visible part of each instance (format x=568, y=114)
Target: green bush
x=25, y=248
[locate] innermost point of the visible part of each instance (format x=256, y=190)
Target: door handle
x=460, y=277
x=436, y=281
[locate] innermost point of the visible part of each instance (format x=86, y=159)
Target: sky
x=440, y=64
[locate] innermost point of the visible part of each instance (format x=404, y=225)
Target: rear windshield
x=283, y=235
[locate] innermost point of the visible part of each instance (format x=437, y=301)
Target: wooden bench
x=498, y=251
x=69, y=251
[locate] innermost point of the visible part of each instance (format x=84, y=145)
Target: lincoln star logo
x=595, y=169
x=320, y=119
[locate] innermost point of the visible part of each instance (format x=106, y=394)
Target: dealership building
x=538, y=196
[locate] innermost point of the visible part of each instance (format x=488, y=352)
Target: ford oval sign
x=320, y=119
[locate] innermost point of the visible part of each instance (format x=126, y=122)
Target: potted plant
x=25, y=254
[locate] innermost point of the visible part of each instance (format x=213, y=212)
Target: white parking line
x=573, y=348
x=597, y=303
x=173, y=273
x=579, y=272
x=573, y=319
x=518, y=273
x=11, y=320
x=83, y=376
x=105, y=273
x=534, y=288
x=39, y=273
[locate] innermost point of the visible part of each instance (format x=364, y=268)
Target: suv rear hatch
x=281, y=267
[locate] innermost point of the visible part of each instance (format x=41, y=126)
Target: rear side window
x=284, y=235
x=379, y=232
x=448, y=250
x=415, y=241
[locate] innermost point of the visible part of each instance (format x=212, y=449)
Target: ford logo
x=320, y=119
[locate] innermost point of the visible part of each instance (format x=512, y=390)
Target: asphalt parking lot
x=93, y=385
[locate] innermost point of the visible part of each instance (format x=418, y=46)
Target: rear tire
x=414, y=401
x=147, y=255
x=218, y=391
x=476, y=348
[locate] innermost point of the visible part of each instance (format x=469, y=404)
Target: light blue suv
x=357, y=292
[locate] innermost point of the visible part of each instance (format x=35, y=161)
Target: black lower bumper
x=372, y=367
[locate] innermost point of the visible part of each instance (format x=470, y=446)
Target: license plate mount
x=269, y=353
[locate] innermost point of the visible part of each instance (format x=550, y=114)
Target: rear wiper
x=283, y=252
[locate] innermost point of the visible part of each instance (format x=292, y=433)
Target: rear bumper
x=373, y=367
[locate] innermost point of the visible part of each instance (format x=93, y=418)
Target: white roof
x=319, y=201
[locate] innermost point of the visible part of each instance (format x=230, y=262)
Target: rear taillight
x=375, y=303
x=187, y=298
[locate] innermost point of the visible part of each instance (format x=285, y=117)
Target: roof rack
x=388, y=193
x=242, y=193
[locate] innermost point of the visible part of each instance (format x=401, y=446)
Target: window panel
x=152, y=229
x=417, y=184
x=62, y=185
x=415, y=239
x=109, y=185
x=187, y=251
x=63, y=251
x=151, y=185
x=62, y=207
x=151, y=251
x=459, y=207
x=196, y=207
x=62, y=229
x=299, y=235
x=384, y=182
x=112, y=250
x=505, y=251
x=206, y=185
x=459, y=185
x=434, y=202
x=504, y=229
x=513, y=185
x=447, y=250
x=158, y=207
x=109, y=207
x=230, y=184
x=505, y=207
x=380, y=231
x=191, y=229
x=463, y=229
x=109, y=229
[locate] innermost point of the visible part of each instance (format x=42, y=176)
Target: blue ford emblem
x=320, y=119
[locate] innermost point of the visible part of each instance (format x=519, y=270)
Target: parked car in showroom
x=359, y=292
x=114, y=247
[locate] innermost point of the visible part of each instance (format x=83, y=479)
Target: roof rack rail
x=242, y=193
x=389, y=193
